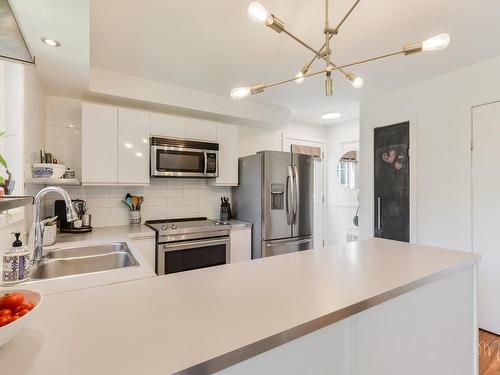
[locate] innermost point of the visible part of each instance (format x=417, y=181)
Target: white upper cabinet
x=99, y=144
x=133, y=147
x=202, y=130
x=163, y=125
x=227, y=137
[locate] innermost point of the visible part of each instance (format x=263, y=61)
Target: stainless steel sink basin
x=88, y=251
x=86, y=259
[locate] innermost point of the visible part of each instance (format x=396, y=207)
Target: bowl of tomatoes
x=16, y=308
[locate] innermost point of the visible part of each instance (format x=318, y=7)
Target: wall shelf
x=53, y=181
x=9, y=202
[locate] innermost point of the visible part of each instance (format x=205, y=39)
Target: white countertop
x=239, y=224
x=105, y=233
x=102, y=235
x=216, y=316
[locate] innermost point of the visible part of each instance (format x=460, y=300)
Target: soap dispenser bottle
x=16, y=262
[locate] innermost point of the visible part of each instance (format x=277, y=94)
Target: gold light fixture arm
x=261, y=87
x=333, y=32
x=300, y=41
x=336, y=30
x=279, y=26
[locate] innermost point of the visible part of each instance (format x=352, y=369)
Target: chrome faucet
x=70, y=216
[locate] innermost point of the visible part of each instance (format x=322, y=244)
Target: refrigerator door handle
x=297, y=242
x=287, y=206
x=290, y=196
x=379, y=214
x=297, y=193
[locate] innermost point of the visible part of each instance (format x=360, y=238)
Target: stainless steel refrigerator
x=275, y=194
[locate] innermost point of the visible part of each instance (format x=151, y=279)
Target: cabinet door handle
x=378, y=213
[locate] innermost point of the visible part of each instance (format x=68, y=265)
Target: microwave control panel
x=211, y=162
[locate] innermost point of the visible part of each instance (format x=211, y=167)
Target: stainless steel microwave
x=171, y=157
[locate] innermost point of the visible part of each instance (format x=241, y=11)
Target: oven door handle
x=205, y=163
x=193, y=244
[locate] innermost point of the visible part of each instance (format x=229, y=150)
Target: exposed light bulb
x=436, y=43
x=240, y=93
x=331, y=115
x=257, y=13
x=300, y=78
x=357, y=83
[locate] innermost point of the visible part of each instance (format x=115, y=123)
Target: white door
x=486, y=212
x=99, y=144
x=318, y=187
x=133, y=147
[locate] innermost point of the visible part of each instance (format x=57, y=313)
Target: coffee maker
x=81, y=225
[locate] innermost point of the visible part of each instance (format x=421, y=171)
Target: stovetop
x=187, y=225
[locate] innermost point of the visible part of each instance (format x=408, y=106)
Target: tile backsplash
x=164, y=198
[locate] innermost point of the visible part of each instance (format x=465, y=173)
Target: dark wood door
x=392, y=182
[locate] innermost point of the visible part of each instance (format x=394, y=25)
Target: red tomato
x=5, y=312
x=12, y=319
x=27, y=306
x=11, y=301
x=22, y=312
x=4, y=320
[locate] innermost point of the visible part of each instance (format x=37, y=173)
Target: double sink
x=80, y=260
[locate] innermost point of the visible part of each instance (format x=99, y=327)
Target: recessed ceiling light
x=331, y=115
x=51, y=42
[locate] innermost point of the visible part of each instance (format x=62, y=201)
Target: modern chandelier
x=257, y=13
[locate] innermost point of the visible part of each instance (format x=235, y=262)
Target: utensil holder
x=49, y=235
x=135, y=217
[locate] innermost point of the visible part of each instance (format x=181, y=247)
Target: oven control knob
x=173, y=226
x=163, y=227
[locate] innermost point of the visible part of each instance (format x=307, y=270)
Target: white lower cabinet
x=227, y=137
x=147, y=248
x=241, y=244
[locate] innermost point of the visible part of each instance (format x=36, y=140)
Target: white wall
x=219, y=108
x=340, y=203
x=439, y=111
x=254, y=139
x=22, y=108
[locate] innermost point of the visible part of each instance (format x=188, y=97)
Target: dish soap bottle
x=16, y=262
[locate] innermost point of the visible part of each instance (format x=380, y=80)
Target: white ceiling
x=212, y=46
x=65, y=70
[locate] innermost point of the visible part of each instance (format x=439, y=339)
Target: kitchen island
x=370, y=307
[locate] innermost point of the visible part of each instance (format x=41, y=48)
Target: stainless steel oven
x=172, y=157
x=191, y=243
x=190, y=255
